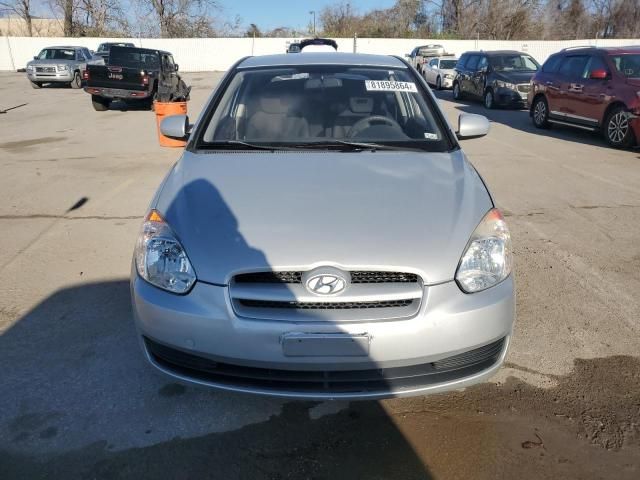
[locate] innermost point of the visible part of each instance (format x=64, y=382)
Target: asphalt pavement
x=77, y=399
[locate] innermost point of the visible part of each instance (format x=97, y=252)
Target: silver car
x=60, y=65
x=324, y=236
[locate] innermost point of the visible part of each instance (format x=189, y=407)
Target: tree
x=184, y=18
x=22, y=8
x=253, y=31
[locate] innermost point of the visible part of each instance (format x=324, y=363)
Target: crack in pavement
x=36, y=216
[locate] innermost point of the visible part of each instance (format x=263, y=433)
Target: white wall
x=208, y=54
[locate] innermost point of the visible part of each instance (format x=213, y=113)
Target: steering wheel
x=367, y=122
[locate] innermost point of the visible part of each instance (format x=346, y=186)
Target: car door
x=591, y=103
x=470, y=69
x=571, y=78
x=548, y=80
x=480, y=76
x=431, y=71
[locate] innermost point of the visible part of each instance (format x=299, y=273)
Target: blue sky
x=269, y=14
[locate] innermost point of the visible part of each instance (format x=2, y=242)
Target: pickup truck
x=135, y=75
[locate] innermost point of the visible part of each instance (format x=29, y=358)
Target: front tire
x=36, y=85
x=617, y=129
x=489, y=100
x=438, y=83
x=457, y=93
x=540, y=113
x=100, y=104
x=77, y=81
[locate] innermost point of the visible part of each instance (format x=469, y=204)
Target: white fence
x=209, y=54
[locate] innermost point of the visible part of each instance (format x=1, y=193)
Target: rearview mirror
x=599, y=74
x=472, y=126
x=175, y=126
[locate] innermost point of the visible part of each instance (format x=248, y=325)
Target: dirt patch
x=585, y=427
x=14, y=146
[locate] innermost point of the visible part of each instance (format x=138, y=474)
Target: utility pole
x=313, y=12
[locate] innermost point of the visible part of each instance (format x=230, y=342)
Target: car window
x=514, y=63
x=315, y=104
x=552, y=63
x=472, y=63
x=57, y=54
x=434, y=63
x=596, y=62
x=87, y=53
x=482, y=63
x=134, y=58
x=462, y=61
x=573, y=66
x=627, y=64
x=448, y=64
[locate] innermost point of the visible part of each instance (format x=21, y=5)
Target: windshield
x=628, y=64
x=133, y=58
x=514, y=63
x=310, y=106
x=57, y=54
x=448, y=64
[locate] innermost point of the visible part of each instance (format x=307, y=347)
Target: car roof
x=491, y=53
x=67, y=47
x=614, y=50
x=323, y=58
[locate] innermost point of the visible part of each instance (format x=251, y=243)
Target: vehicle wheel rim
x=456, y=91
x=540, y=112
x=618, y=127
x=488, y=100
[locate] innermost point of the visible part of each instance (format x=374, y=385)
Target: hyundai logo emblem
x=326, y=281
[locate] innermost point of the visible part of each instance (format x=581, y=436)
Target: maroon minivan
x=591, y=88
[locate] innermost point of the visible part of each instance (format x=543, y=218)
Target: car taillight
x=145, y=79
x=85, y=75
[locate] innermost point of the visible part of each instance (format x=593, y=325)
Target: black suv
x=499, y=78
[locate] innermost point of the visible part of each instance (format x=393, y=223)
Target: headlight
x=487, y=259
x=161, y=259
x=448, y=76
x=63, y=68
x=508, y=85
x=29, y=68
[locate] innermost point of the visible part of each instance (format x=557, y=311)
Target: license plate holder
x=325, y=345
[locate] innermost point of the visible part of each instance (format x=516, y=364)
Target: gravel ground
x=78, y=400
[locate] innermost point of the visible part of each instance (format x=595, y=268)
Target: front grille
x=46, y=69
x=368, y=296
x=269, y=277
x=325, y=305
x=375, y=380
x=524, y=87
x=356, y=277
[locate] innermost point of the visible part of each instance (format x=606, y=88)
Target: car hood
x=240, y=212
x=50, y=62
x=514, y=77
x=634, y=82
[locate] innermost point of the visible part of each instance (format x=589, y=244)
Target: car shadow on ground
x=80, y=400
x=519, y=119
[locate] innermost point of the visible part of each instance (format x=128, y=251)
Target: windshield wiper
x=359, y=146
x=241, y=145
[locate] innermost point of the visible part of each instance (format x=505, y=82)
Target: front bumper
x=446, y=82
x=203, y=326
x=120, y=93
x=57, y=77
x=510, y=98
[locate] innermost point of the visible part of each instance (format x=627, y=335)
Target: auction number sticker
x=389, y=86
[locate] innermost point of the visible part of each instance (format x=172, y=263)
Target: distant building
x=13, y=26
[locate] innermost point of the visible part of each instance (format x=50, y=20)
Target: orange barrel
x=165, y=109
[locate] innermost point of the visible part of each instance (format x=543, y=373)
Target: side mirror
x=175, y=126
x=472, y=126
x=176, y=67
x=407, y=55
x=599, y=74
x=35, y=58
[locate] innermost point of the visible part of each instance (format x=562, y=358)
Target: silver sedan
x=324, y=236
